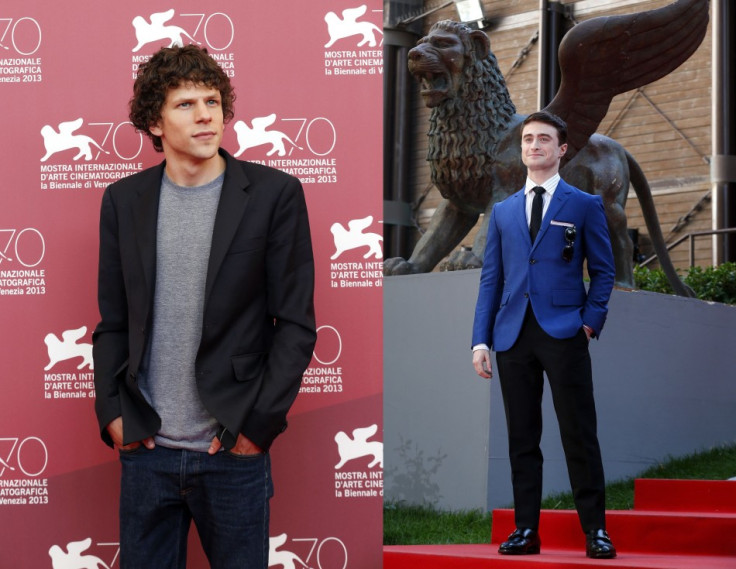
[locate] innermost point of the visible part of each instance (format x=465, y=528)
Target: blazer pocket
x=568, y=297
x=504, y=299
x=248, y=367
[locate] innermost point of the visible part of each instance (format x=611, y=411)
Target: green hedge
x=717, y=284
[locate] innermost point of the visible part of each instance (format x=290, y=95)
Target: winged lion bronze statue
x=474, y=134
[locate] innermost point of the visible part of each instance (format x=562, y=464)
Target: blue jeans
x=163, y=490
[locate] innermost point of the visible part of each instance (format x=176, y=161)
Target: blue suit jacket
x=517, y=272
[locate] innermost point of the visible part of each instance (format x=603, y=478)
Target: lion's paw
x=461, y=260
x=398, y=266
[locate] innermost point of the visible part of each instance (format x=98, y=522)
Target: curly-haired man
x=206, y=282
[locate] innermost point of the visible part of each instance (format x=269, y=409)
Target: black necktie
x=536, y=221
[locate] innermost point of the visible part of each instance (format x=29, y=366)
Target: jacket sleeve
x=290, y=291
x=601, y=267
x=110, y=338
x=490, y=288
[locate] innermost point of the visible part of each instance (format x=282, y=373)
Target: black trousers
x=567, y=365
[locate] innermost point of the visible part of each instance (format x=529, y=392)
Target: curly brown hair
x=168, y=69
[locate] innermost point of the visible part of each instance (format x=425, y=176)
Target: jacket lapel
x=519, y=213
x=230, y=210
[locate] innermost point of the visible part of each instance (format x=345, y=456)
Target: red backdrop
x=308, y=78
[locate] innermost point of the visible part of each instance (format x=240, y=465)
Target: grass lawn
x=406, y=525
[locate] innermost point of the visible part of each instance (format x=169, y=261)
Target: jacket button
x=532, y=261
x=526, y=295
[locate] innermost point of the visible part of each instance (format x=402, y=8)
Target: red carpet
x=675, y=524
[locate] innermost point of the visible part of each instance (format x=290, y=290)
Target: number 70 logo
x=26, y=246
x=30, y=455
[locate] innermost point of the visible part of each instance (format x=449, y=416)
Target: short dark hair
x=169, y=68
x=550, y=119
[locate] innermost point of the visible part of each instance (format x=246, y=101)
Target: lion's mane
x=464, y=130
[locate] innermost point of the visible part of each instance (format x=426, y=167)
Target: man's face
x=191, y=124
x=540, y=148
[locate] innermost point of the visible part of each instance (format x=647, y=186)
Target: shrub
x=716, y=284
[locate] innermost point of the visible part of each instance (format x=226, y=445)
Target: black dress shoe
x=521, y=542
x=598, y=545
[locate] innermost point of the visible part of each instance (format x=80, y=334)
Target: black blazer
x=258, y=329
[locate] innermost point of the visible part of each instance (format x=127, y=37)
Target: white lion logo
x=67, y=348
x=349, y=26
x=359, y=446
x=157, y=30
x=65, y=139
x=353, y=237
x=286, y=559
x=258, y=135
x=73, y=558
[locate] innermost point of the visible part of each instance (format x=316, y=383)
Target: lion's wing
x=68, y=127
x=603, y=57
x=364, y=433
x=278, y=541
x=78, y=547
x=261, y=123
x=160, y=18
x=72, y=336
x=352, y=14
x=358, y=225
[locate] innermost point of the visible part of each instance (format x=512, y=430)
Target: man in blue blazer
x=534, y=311
x=206, y=282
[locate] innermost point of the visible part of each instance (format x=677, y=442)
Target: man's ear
x=155, y=129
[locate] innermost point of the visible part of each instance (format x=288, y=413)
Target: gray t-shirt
x=186, y=218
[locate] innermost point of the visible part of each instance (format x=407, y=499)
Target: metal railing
x=691, y=237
